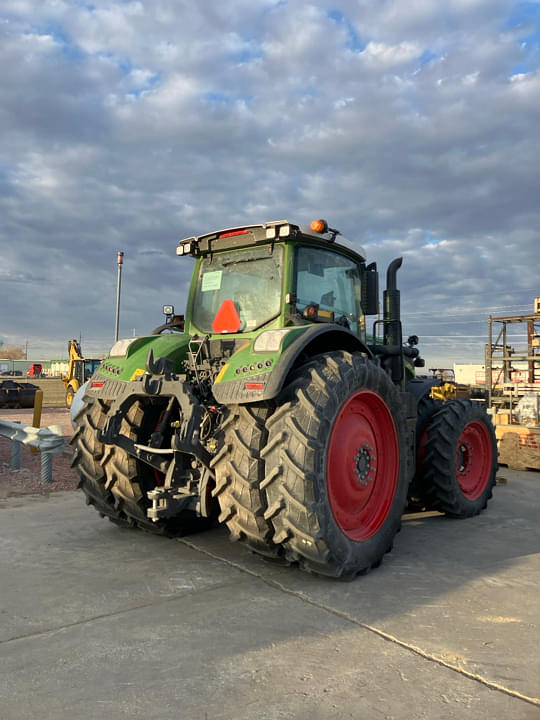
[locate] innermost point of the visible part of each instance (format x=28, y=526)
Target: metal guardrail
x=48, y=440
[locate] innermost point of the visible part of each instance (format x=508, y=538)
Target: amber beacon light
x=319, y=226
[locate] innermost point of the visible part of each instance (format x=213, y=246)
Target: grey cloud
x=126, y=129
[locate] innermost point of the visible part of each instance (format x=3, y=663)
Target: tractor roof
x=277, y=230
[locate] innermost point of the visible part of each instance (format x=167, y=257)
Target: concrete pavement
x=99, y=622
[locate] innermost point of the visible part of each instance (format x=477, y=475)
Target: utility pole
x=120, y=260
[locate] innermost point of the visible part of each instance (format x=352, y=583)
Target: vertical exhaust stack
x=392, y=321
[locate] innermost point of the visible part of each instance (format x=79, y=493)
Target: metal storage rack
x=503, y=360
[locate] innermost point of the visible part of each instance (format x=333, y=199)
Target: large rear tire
x=87, y=458
x=239, y=472
x=336, y=469
x=460, y=461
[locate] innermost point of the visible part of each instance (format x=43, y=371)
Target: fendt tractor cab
x=273, y=408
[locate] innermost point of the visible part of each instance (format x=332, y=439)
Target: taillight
x=232, y=233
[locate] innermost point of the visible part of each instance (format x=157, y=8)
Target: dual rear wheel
x=115, y=482
x=459, y=459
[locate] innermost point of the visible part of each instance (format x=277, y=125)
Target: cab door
x=331, y=281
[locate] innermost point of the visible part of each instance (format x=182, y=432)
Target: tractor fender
x=311, y=341
x=421, y=387
x=316, y=339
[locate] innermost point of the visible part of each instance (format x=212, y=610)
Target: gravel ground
x=27, y=480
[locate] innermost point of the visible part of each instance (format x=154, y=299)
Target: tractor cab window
x=248, y=280
x=331, y=281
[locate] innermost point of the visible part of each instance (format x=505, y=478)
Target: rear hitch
x=183, y=475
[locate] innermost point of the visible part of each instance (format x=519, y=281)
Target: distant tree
x=12, y=352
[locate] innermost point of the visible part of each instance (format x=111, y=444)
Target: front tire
x=69, y=397
x=87, y=459
x=336, y=478
x=460, y=461
x=129, y=479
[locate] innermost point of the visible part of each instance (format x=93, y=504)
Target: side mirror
x=370, y=290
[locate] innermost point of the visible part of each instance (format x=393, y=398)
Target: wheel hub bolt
x=363, y=464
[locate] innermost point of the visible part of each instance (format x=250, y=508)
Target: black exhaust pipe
x=392, y=321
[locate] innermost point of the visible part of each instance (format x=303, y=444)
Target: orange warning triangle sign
x=227, y=319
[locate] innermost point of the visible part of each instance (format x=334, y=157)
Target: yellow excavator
x=80, y=369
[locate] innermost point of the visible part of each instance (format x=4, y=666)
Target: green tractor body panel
x=249, y=375
x=254, y=374
x=128, y=364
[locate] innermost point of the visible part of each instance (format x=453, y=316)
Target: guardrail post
x=46, y=468
x=47, y=440
x=15, y=454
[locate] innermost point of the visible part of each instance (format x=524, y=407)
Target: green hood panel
x=173, y=346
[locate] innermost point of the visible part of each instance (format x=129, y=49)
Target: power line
x=458, y=312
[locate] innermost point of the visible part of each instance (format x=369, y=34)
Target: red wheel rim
x=362, y=465
x=474, y=460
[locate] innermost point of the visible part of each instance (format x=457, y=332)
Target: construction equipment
x=80, y=370
x=270, y=409
x=35, y=370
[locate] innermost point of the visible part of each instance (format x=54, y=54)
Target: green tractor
x=269, y=408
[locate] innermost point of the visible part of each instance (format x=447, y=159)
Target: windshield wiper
x=226, y=263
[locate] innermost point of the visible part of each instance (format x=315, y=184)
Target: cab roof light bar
x=275, y=230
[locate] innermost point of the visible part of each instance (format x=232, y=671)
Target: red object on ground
x=35, y=370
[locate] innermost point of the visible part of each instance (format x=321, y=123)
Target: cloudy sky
x=413, y=127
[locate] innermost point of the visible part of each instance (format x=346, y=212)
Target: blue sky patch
x=217, y=98
x=354, y=41
x=427, y=56
x=431, y=239
x=247, y=54
x=526, y=15
x=64, y=42
x=523, y=13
